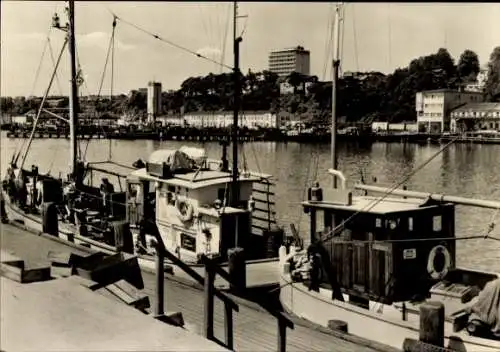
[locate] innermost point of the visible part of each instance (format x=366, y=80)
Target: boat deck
x=254, y=329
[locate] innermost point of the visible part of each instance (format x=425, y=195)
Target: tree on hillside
x=443, y=60
x=295, y=79
x=137, y=101
x=6, y=104
x=468, y=65
x=492, y=87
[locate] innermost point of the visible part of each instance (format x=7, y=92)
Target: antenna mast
x=235, y=197
x=336, y=64
x=73, y=96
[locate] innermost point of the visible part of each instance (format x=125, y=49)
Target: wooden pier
x=253, y=328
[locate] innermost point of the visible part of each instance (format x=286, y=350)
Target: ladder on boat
x=264, y=214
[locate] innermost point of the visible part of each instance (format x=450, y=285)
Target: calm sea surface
x=465, y=170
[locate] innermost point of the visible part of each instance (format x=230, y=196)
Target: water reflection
x=462, y=169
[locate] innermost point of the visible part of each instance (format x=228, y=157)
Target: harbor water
x=468, y=170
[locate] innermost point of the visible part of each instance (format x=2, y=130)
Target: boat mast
x=336, y=64
x=73, y=96
x=235, y=197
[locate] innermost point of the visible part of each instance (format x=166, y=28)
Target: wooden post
x=209, y=302
x=228, y=326
x=50, y=222
x=237, y=269
x=281, y=335
x=432, y=323
x=160, y=283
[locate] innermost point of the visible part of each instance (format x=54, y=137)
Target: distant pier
x=247, y=135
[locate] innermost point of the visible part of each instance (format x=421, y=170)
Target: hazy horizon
x=377, y=37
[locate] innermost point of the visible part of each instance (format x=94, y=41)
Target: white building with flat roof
x=433, y=107
x=474, y=117
x=283, y=62
x=480, y=83
x=219, y=119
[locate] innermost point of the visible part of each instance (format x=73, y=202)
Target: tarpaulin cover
x=487, y=305
x=184, y=158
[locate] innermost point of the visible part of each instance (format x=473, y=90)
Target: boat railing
x=237, y=284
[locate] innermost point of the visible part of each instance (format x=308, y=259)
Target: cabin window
x=436, y=223
x=410, y=224
x=170, y=198
x=320, y=222
x=378, y=222
x=188, y=242
x=328, y=222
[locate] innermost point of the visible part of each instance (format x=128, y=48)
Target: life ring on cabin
x=185, y=209
x=439, y=262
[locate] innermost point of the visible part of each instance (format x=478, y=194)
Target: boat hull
x=261, y=273
x=319, y=308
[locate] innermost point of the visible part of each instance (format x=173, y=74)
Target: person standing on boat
x=69, y=194
x=315, y=267
x=22, y=191
x=3, y=213
x=10, y=182
x=106, y=190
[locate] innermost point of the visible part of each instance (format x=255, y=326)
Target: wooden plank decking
x=254, y=330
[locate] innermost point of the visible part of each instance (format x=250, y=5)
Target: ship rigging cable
x=41, y=106
x=90, y=195
x=51, y=52
x=355, y=37
x=169, y=42
x=110, y=50
x=328, y=42
x=224, y=39
x=37, y=74
x=370, y=206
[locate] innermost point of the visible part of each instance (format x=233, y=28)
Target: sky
x=376, y=36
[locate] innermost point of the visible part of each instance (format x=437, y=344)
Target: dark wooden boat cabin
x=388, y=250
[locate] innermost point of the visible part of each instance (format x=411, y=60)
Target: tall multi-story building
x=154, y=100
x=283, y=62
x=433, y=107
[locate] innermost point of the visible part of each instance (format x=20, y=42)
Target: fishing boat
x=199, y=206
x=373, y=262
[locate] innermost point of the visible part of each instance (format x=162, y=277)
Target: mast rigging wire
x=51, y=52
x=328, y=42
x=40, y=64
x=354, y=33
x=110, y=50
x=371, y=205
x=41, y=106
x=224, y=39
x=171, y=43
